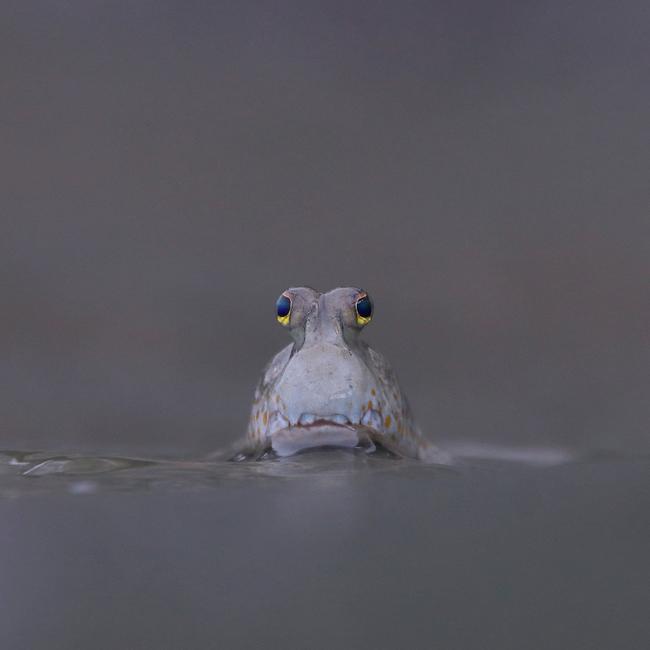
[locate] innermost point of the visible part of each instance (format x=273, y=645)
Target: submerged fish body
x=329, y=387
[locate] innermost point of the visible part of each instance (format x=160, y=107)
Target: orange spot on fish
x=265, y=417
x=373, y=392
x=369, y=404
x=387, y=421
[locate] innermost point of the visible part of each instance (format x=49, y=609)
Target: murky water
x=328, y=549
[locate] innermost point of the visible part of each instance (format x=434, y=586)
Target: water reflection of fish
x=29, y=472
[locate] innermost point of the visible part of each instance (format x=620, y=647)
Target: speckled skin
x=329, y=387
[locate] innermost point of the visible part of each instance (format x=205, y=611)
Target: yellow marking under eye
x=369, y=404
x=387, y=421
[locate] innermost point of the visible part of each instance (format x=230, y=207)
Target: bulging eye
x=363, y=308
x=283, y=309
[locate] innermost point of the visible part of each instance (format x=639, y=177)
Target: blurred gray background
x=168, y=168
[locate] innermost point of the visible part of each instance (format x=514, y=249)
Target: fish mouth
x=317, y=431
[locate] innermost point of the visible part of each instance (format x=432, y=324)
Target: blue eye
x=283, y=308
x=283, y=305
x=363, y=307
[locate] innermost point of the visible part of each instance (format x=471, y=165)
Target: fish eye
x=283, y=309
x=363, y=309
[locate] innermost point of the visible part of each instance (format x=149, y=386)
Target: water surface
x=328, y=549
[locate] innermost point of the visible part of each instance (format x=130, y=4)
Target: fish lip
x=323, y=422
x=320, y=425
x=307, y=420
x=309, y=423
